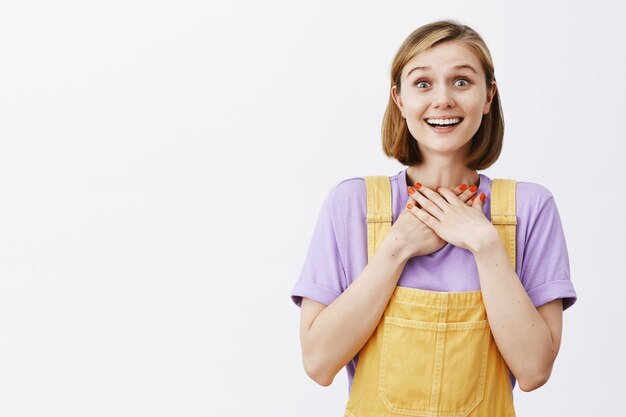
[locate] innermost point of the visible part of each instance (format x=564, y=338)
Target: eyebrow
x=456, y=67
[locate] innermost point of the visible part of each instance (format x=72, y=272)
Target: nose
x=443, y=98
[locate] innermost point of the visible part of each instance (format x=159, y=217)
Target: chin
x=443, y=149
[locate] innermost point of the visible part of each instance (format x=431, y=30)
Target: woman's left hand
x=462, y=224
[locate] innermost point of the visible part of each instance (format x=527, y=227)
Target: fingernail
x=409, y=206
x=463, y=187
x=411, y=190
x=473, y=188
x=482, y=197
x=418, y=185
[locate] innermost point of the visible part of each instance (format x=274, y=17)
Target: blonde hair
x=486, y=143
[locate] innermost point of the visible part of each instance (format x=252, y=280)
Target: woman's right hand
x=331, y=335
x=419, y=239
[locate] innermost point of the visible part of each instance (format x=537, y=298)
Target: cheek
x=478, y=102
x=414, y=108
x=474, y=108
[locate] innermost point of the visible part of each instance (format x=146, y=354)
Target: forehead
x=444, y=57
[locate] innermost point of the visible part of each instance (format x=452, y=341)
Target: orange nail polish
x=482, y=197
x=411, y=190
x=409, y=206
x=463, y=187
x=473, y=188
x=418, y=185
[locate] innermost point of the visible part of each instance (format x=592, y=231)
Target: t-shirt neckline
x=483, y=187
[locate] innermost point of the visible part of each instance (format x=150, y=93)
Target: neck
x=441, y=172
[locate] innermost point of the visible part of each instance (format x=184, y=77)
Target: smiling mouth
x=444, y=123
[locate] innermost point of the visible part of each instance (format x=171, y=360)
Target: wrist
x=487, y=242
x=396, y=247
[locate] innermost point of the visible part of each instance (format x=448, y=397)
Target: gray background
x=162, y=165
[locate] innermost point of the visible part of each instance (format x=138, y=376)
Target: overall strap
x=379, y=216
x=503, y=213
x=378, y=211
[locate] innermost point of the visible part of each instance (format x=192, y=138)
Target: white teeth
x=443, y=121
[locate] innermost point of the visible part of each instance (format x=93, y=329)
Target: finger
x=449, y=195
x=424, y=216
x=412, y=201
x=478, y=202
x=459, y=190
x=468, y=193
x=426, y=204
x=432, y=196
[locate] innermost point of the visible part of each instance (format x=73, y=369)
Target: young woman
x=445, y=315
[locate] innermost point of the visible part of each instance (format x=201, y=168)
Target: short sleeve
x=323, y=277
x=545, y=271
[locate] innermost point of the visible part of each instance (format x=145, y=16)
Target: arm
x=332, y=335
x=528, y=338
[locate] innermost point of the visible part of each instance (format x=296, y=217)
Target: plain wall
x=162, y=165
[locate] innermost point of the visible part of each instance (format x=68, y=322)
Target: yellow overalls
x=432, y=353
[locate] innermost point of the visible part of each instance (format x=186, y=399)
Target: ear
x=490, y=95
x=396, y=99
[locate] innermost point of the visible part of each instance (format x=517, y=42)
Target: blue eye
x=466, y=82
x=417, y=84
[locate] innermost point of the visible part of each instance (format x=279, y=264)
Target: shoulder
x=532, y=195
x=353, y=189
x=531, y=200
x=350, y=186
x=528, y=194
x=534, y=201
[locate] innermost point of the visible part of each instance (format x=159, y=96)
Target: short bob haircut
x=486, y=143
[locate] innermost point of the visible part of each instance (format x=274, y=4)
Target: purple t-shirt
x=338, y=249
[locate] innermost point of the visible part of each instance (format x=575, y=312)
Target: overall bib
x=433, y=353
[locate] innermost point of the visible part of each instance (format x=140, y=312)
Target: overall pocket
x=427, y=367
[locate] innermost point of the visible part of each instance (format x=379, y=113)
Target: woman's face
x=443, y=84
